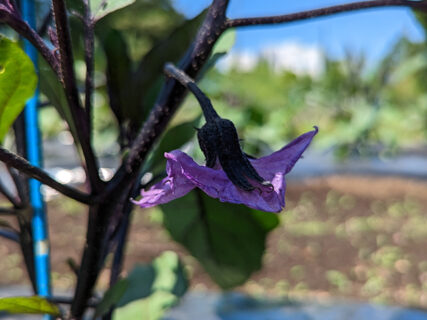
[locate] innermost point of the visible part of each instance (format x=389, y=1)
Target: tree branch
x=26, y=168
x=68, y=80
x=243, y=22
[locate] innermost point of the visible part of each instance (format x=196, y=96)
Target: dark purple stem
x=23, y=166
x=89, y=38
x=243, y=22
x=69, y=82
x=23, y=29
x=172, y=92
x=208, y=110
x=10, y=235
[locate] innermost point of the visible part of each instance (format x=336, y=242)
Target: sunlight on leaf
x=149, y=289
x=100, y=8
x=18, y=81
x=33, y=305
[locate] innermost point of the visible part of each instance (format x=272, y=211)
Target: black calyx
x=218, y=139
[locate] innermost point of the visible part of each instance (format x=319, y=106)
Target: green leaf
x=100, y=8
x=18, y=81
x=34, y=305
x=53, y=90
x=119, y=72
x=227, y=239
x=165, y=273
x=225, y=42
x=220, y=49
x=111, y=297
x=151, y=287
x=149, y=74
x=151, y=308
x=173, y=139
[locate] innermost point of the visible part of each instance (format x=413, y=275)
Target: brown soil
x=341, y=236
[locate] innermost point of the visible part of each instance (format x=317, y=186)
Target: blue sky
x=371, y=31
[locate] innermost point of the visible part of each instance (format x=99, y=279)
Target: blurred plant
x=116, y=50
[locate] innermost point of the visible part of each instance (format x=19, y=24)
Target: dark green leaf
x=18, y=81
x=53, y=90
x=173, y=139
x=227, y=239
x=119, y=70
x=153, y=288
x=111, y=297
x=150, y=70
x=34, y=305
x=165, y=273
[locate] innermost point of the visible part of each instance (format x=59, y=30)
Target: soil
x=340, y=236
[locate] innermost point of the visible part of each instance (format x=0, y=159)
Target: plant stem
x=172, y=93
x=207, y=108
x=89, y=38
x=10, y=235
x=23, y=29
x=68, y=80
x=31, y=171
x=243, y=22
x=8, y=211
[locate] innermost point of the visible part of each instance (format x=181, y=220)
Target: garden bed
x=342, y=236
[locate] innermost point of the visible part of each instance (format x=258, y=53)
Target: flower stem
x=179, y=75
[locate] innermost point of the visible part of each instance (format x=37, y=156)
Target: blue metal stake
x=39, y=221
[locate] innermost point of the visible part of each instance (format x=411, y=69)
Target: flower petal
x=174, y=186
x=284, y=159
x=216, y=184
x=184, y=175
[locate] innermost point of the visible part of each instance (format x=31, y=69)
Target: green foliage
x=220, y=49
x=18, y=81
x=111, y=297
x=100, y=8
x=32, y=305
x=133, y=85
x=118, y=72
x=227, y=239
x=148, y=290
x=54, y=92
x=361, y=110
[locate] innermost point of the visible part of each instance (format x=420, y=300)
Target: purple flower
x=183, y=175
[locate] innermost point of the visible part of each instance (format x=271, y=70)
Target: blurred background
x=355, y=221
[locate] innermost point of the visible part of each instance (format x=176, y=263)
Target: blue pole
x=39, y=220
